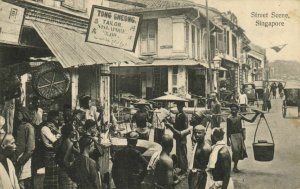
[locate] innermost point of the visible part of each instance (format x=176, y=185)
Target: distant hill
x=285, y=69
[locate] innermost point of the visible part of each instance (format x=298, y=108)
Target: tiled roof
x=165, y=3
x=151, y=4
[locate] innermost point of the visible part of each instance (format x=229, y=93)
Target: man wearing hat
x=129, y=166
x=235, y=134
x=200, y=157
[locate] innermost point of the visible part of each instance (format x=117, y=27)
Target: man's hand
x=168, y=125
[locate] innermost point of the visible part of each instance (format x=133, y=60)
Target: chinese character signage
x=113, y=28
x=11, y=20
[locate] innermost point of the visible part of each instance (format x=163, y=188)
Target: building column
x=104, y=90
x=74, y=87
x=170, y=82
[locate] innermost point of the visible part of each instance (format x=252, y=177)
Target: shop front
x=231, y=83
x=86, y=63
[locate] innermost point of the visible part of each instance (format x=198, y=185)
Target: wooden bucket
x=262, y=149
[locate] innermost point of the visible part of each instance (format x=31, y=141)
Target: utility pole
x=208, y=50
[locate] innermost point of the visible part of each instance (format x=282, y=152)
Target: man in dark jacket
x=180, y=125
x=129, y=166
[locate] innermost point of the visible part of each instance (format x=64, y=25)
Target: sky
x=267, y=37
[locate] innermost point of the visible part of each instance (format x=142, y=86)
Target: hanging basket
x=262, y=149
x=51, y=80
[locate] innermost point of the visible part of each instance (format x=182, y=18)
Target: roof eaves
x=139, y=10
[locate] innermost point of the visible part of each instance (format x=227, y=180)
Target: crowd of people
x=53, y=152
x=63, y=151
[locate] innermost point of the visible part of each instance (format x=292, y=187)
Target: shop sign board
x=11, y=21
x=113, y=28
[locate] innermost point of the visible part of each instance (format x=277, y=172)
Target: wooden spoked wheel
x=284, y=111
x=51, y=81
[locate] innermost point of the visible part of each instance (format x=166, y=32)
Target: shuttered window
x=148, y=37
x=187, y=36
x=198, y=43
x=234, y=46
x=227, y=42
x=193, y=42
x=220, y=42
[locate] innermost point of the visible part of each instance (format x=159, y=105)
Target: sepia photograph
x=149, y=94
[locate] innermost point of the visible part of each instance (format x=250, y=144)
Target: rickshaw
x=291, y=99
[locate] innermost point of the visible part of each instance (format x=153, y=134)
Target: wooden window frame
x=147, y=22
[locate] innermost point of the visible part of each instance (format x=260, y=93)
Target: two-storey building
x=174, y=44
x=256, y=59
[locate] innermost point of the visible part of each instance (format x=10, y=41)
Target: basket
x=262, y=149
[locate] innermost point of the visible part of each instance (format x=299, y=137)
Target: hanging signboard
x=11, y=21
x=113, y=28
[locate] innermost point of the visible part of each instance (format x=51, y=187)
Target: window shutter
x=198, y=43
x=227, y=42
x=144, y=36
x=152, y=37
x=187, y=31
x=220, y=42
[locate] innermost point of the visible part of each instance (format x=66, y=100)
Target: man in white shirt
x=243, y=101
x=158, y=122
x=37, y=111
x=50, y=133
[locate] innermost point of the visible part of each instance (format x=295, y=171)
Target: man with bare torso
x=200, y=157
x=219, y=165
x=163, y=174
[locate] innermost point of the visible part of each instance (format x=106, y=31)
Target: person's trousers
x=158, y=134
x=25, y=183
x=9, y=117
x=38, y=181
x=197, y=180
x=181, y=153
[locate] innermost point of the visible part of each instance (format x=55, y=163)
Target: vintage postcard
x=149, y=94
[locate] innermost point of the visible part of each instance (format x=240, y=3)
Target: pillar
x=74, y=87
x=104, y=90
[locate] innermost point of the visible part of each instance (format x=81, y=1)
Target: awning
x=70, y=48
x=169, y=62
x=186, y=62
x=229, y=58
x=205, y=65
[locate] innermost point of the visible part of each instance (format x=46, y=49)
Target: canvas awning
x=70, y=48
x=205, y=65
x=168, y=62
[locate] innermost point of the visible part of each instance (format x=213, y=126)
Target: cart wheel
x=51, y=80
x=284, y=111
